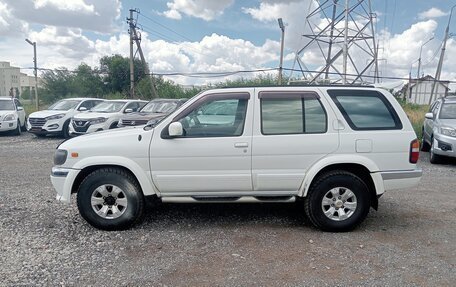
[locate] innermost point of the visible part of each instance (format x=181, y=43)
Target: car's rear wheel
x=110, y=199
x=337, y=201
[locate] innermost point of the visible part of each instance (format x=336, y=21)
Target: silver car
x=439, y=129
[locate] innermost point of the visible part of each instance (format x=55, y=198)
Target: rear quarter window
x=366, y=110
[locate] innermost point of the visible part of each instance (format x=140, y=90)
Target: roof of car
x=6, y=98
x=126, y=100
x=81, y=99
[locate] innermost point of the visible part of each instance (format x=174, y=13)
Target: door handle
x=241, y=145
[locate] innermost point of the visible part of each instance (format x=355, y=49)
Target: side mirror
x=20, y=108
x=127, y=111
x=82, y=109
x=175, y=129
x=429, y=116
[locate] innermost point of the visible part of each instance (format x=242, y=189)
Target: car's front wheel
x=424, y=145
x=337, y=201
x=434, y=158
x=110, y=199
x=18, y=130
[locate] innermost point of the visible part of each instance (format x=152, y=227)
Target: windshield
x=6, y=105
x=448, y=111
x=108, y=107
x=64, y=105
x=159, y=107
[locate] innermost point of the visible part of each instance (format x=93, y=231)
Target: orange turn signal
x=74, y=154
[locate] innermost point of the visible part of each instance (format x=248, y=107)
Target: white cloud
x=204, y=9
x=293, y=13
x=92, y=15
x=432, y=13
x=67, y=5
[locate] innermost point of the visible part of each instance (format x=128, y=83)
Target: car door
x=20, y=111
x=214, y=154
x=291, y=132
x=428, y=125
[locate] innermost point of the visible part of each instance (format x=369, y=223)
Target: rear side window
x=291, y=114
x=366, y=110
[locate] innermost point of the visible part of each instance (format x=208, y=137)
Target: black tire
x=24, y=127
x=113, y=126
x=322, y=185
x=434, y=158
x=133, y=212
x=18, y=130
x=66, y=129
x=424, y=145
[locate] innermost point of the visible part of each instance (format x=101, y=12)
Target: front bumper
x=8, y=125
x=62, y=179
x=397, y=179
x=444, y=145
x=86, y=130
x=49, y=127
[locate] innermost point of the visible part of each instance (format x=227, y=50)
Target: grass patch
x=416, y=115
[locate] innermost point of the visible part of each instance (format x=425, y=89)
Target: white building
x=10, y=80
x=418, y=91
x=28, y=84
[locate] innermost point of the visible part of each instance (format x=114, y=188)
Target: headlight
x=10, y=117
x=448, y=131
x=55, y=117
x=60, y=156
x=98, y=121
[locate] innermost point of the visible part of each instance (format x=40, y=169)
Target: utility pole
x=282, y=27
x=442, y=55
x=345, y=47
x=35, y=72
x=132, y=67
x=146, y=68
x=419, y=59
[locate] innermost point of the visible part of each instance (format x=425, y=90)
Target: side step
x=216, y=199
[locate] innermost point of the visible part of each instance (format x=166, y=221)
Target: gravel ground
x=410, y=241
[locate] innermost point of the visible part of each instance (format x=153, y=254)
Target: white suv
x=104, y=116
x=56, y=119
x=335, y=150
x=12, y=115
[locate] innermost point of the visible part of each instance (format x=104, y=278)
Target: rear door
x=292, y=130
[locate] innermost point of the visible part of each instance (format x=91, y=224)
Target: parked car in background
x=12, y=115
x=56, y=119
x=439, y=129
x=333, y=149
x=153, y=112
x=104, y=116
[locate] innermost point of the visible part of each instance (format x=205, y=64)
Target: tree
x=87, y=82
x=116, y=69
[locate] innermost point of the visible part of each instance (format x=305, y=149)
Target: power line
x=229, y=73
x=165, y=27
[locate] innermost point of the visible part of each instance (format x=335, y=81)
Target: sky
x=188, y=36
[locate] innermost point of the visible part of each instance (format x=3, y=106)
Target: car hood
x=47, y=113
x=107, y=137
x=143, y=116
x=108, y=146
x=3, y=113
x=448, y=122
x=92, y=115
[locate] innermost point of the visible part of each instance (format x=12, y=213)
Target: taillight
x=414, y=151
